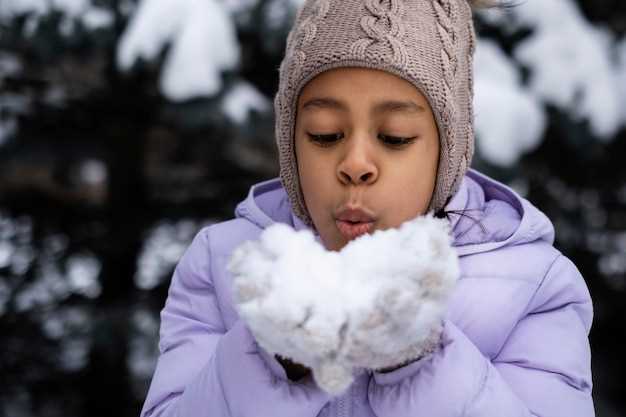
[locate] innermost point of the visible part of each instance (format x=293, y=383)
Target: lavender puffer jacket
x=515, y=340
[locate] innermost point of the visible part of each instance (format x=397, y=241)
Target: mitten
x=377, y=303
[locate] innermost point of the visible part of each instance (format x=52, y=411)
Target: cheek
x=311, y=173
x=412, y=184
x=410, y=195
x=306, y=167
x=427, y=162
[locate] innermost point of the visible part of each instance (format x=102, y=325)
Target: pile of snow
x=377, y=303
x=509, y=121
x=202, y=41
x=243, y=98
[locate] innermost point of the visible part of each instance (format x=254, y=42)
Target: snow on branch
x=202, y=41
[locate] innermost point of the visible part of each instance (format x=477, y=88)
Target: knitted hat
x=429, y=43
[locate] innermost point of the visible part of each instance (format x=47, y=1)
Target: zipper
x=341, y=407
x=343, y=404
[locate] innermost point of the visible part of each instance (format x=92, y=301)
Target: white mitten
x=377, y=303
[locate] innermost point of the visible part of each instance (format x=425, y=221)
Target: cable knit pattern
x=377, y=32
x=429, y=43
x=447, y=15
x=469, y=150
x=307, y=32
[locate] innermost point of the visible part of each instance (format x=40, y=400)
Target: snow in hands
x=377, y=303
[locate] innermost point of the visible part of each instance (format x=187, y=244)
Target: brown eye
x=396, y=141
x=325, y=140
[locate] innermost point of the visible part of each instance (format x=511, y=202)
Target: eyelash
x=328, y=140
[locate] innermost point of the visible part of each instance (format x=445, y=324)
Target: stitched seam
x=541, y=283
x=528, y=281
x=480, y=390
x=530, y=301
x=212, y=275
x=230, y=413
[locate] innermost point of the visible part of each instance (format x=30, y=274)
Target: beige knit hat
x=429, y=43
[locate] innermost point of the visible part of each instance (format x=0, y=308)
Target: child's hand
x=376, y=304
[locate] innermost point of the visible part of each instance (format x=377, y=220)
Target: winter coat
x=515, y=339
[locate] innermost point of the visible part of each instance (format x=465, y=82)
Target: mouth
x=352, y=230
x=354, y=222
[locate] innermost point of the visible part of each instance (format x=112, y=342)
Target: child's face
x=359, y=163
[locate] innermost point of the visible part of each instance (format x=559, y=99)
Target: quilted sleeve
x=207, y=370
x=543, y=370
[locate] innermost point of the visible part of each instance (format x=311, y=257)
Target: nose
x=357, y=165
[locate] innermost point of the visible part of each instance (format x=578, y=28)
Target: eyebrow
x=380, y=107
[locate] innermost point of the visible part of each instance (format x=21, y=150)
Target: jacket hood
x=484, y=214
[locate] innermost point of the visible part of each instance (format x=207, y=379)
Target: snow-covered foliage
x=377, y=303
x=71, y=8
x=571, y=63
x=572, y=66
x=621, y=76
x=56, y=272
x=11, y=105
x=70, y=327
x=143, y=352
x=86, y=12
x=202, y=41
x=243, y=98
x=163, y=246
x=509, y=121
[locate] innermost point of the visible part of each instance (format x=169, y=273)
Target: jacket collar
x=484, y=214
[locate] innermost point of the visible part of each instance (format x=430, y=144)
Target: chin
x=336, y=242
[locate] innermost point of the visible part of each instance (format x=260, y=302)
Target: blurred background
x=126, y=126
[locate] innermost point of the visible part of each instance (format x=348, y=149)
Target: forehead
x=340, y=89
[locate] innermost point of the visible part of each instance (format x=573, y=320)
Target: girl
x=374, y=128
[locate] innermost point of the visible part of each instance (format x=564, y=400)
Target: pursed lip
x=353, y=222
x=354, y=214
